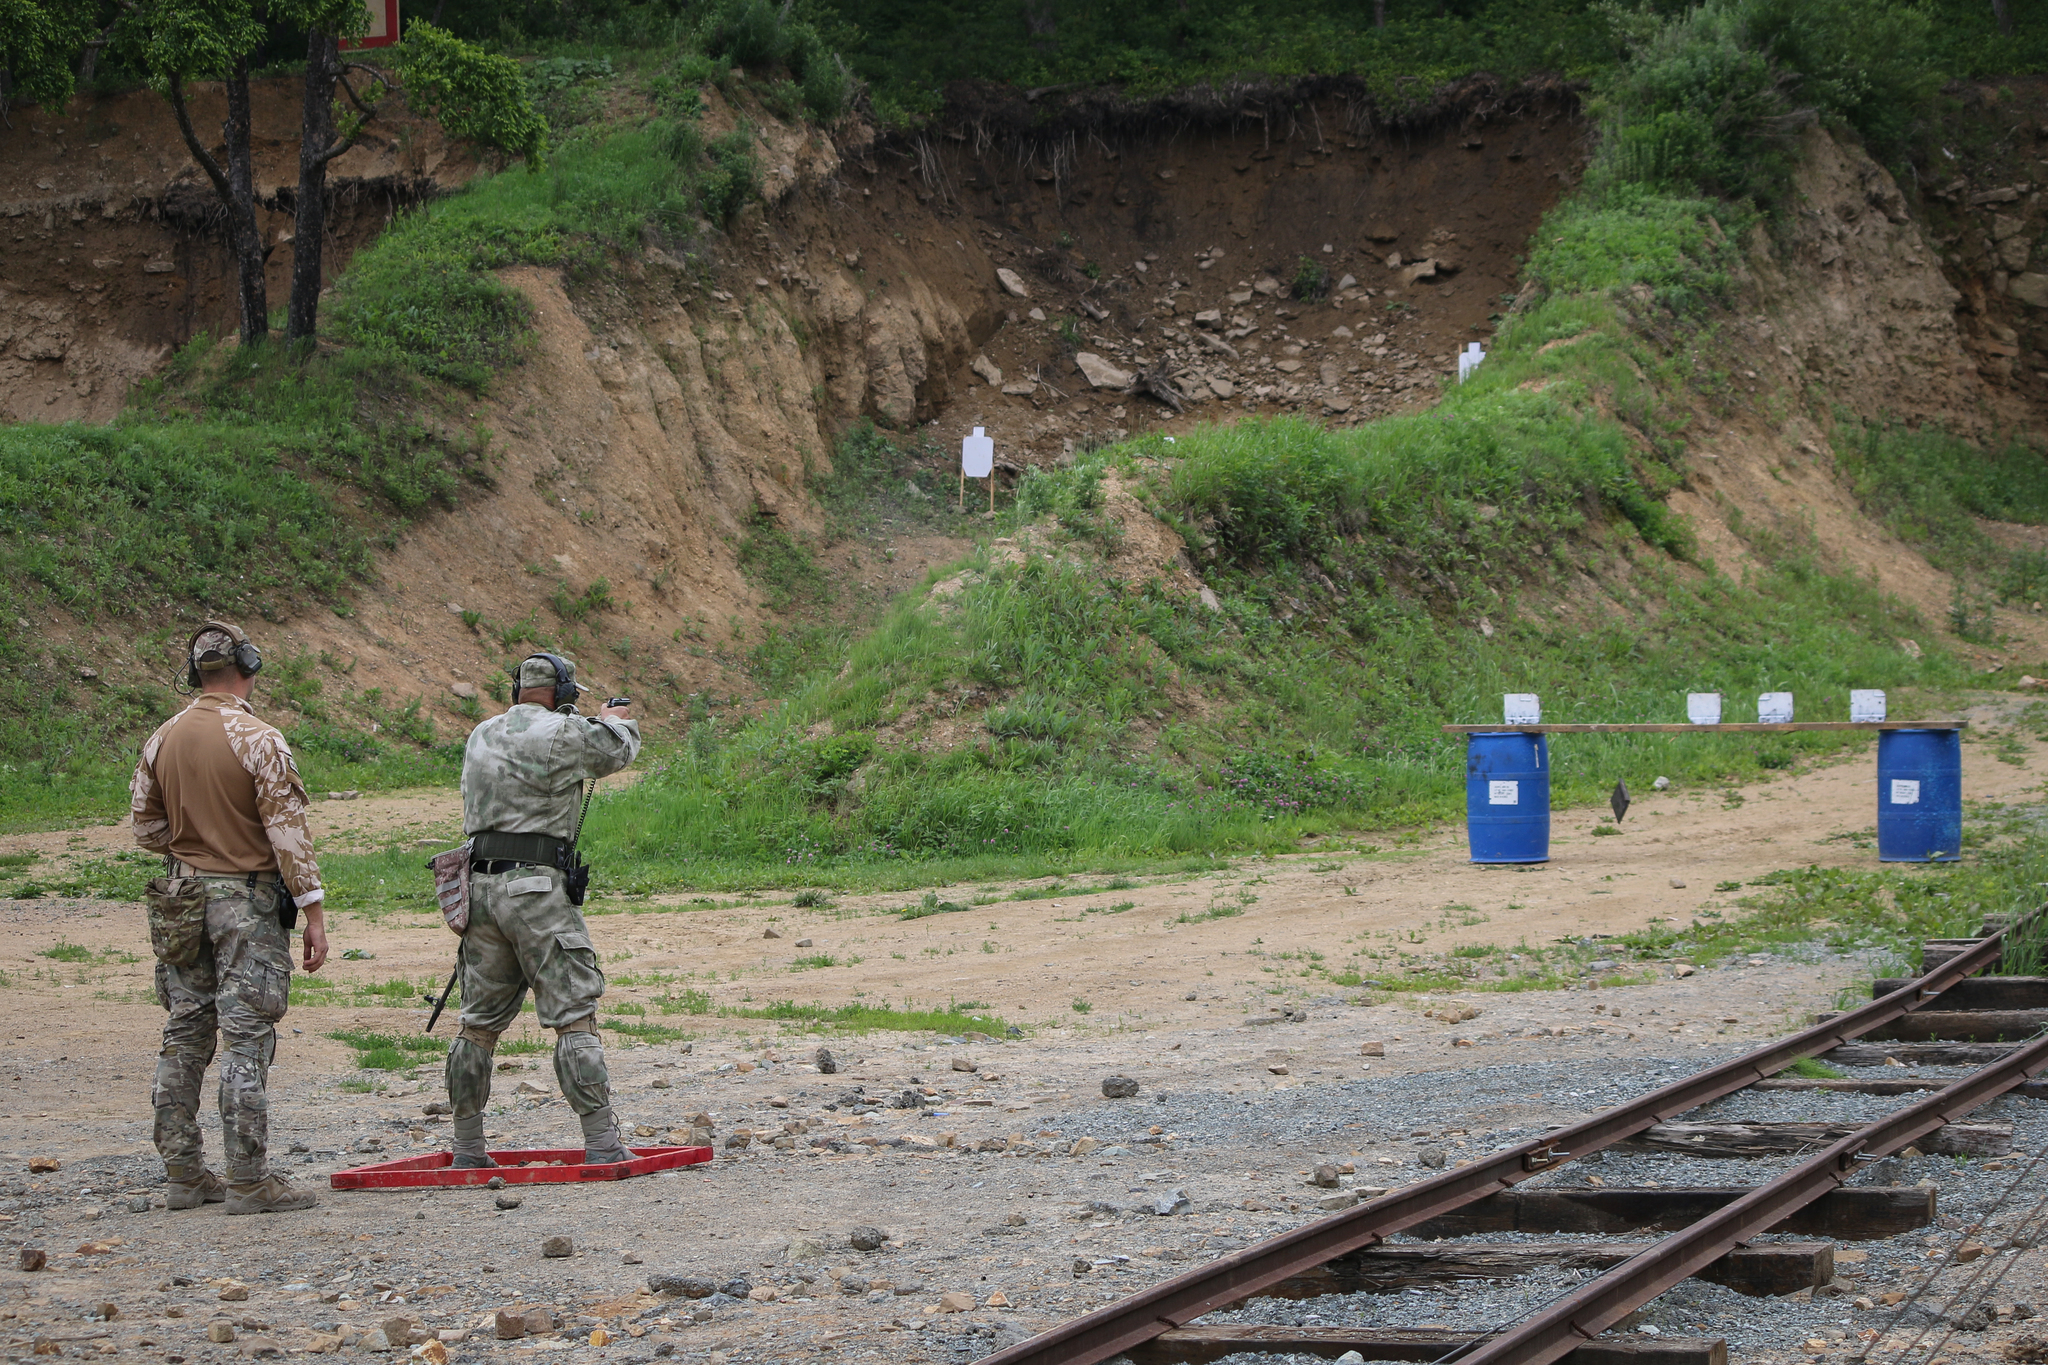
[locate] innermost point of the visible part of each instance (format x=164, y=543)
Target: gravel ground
x=981, y=1245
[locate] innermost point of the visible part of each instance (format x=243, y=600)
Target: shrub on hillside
x=759, y=34
x=1711, y=99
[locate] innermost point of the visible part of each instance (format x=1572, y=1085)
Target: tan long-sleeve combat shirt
x=217, y=789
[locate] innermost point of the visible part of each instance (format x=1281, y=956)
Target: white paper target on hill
x=978, y=455
x=978, y=461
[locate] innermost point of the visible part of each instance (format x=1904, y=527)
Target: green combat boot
x=272, y=1194
x=602, y=1145
x=190, y=1191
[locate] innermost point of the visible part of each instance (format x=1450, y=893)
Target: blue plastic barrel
x=1919, y=796
x=1507, y=798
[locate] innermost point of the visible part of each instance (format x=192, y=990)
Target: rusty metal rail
x=1117, y=1327
x=1599, y=1304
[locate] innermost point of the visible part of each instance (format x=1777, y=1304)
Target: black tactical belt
x=541, y=850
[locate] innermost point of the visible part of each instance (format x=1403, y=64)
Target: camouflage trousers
x=238, y=989
x=524, y=934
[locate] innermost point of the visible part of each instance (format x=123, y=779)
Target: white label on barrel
x=1503, y=793
x=1905, y=792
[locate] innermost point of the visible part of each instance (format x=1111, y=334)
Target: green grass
x=391, y=1051
x=393, y=993
x=867, y=1018
x=1931, y=488
x=648, y=1033
x=1884, y=911
x=1813, y=1069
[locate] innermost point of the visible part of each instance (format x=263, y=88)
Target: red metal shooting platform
x=538, y=1166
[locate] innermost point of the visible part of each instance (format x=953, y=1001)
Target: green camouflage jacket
x=522, y=771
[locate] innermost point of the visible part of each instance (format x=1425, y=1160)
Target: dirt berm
x=1016, y=283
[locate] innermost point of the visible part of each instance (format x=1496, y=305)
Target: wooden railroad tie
x=1198, y=1345
x=1764, y=1270
x=1980, y=992
x=1852, y=1213
x=1917, y=1054
x=1896, y=1085
x=1764, y=1139
x=1975, y=1026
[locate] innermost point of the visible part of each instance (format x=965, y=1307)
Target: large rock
x=2031, y=289
x=1012, y=282
x=688, y=1286
x=1118, y=1087
x=988, y=370
x=1100, y=372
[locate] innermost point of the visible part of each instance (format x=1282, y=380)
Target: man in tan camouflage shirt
x=217, y=793
x=522, y=773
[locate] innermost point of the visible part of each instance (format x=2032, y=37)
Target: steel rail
x=1600, y=1303
x=1117, y=1327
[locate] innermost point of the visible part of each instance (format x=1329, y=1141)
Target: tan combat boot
x=192, y=1191
x=272, y=1194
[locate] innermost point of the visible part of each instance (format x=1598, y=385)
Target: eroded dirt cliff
x=113, y=234
x=1057, y=288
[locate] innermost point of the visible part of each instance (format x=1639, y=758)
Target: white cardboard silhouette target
x=978, y=455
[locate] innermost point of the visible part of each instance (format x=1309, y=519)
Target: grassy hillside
x=1087, y=724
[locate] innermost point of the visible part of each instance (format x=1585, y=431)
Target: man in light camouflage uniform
x=217, y=793
x=522, y=777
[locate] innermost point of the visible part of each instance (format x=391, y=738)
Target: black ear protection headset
x=248, y=660
x=565, y=690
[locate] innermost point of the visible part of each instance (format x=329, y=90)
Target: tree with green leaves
x=477, y=96
x=179, y=41
x=37, y=39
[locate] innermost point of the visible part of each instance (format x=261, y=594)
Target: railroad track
x=1949, y=1015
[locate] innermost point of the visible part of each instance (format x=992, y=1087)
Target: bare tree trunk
x=316, y=149
x=234, y=185
x=247, y=238
x=2001, y=10
x=1379, y=13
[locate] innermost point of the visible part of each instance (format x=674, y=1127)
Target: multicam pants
x=239, y=988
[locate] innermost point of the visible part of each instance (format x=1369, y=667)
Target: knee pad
x=580, y=1071
x=469, y=1077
